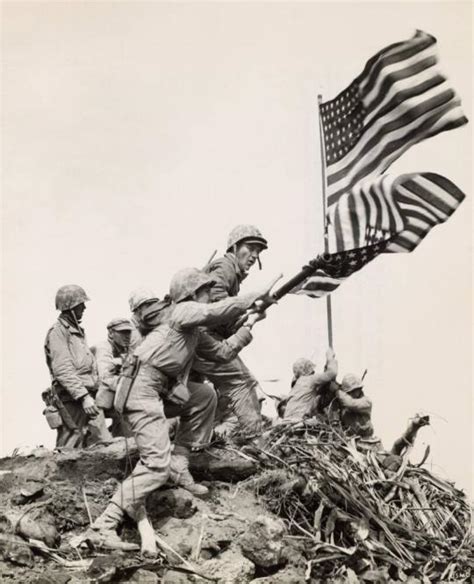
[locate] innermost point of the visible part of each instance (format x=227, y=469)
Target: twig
x=162, y=543
x=86, y=504
x=197, y=551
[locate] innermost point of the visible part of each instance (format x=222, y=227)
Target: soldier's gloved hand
x=330, y=354
x=265, y=295
x=89, y=407
x=254, y=317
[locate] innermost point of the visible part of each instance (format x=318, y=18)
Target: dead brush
x=362, y=509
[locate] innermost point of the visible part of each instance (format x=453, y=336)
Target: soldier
x=161, y=388
x=306, y=387
x=110, y=355
x=356, y=408
x=73, y=373
x=238, y=390
x=139, y=300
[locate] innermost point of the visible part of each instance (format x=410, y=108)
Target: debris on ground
x=363, y=510
x=308, y=504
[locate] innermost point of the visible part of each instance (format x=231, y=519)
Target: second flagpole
x=325, y=224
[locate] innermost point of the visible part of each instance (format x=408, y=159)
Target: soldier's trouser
x=98, y=429
x=146, y=415
x=119, y=426
x=237, y=393
x=88, y=430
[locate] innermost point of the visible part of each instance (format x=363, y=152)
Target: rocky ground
x=227, y=537
x=309, y=506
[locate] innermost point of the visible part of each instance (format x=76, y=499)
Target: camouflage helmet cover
x=70, y=296
x=140, y=296
x=351, y=382
x=247, y=232
x=303, y=366
x=188, y=281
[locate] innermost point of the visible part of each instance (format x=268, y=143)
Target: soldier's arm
x=330, y=370
x=361, y=405
x=222, y=351
x=62, y=365
x=192, y=314
x=106, y=367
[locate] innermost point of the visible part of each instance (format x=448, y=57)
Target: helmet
x=140, y=296
x=69, y=296
x=188, y=281
x=351, y=382
x=247, y=232
x=303, y=366
x=120, y=324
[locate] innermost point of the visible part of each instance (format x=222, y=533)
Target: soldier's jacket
x=109, y=362
x=228, y=277
x=70, y=361
x=305, y=394
x=355, y=414
x=170, y=348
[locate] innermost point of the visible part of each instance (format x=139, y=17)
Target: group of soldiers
x=176, y=358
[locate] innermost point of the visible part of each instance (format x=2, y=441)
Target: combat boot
x=180, y=475
x=103, y=532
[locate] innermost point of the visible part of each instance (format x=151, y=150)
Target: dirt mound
x=306, y=505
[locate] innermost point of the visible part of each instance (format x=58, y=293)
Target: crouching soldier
x=307, y=388
x=110, y=355
x=139, y=301
x=355, y=407
x=160, y=387
x=73, y=374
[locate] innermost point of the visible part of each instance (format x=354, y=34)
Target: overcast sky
x=136, y=135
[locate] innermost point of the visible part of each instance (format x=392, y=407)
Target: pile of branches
x=366, y=511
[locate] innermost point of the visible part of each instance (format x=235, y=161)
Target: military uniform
x=73, y=373
x=166, y=355
x=236, y=386
x=355, y=413
x=109, y=357
x=305, y=393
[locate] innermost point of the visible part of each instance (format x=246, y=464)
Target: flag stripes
x=331, y=270
x=404, y=207
x=399, y=99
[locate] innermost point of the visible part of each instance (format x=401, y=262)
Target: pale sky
x=136, y=135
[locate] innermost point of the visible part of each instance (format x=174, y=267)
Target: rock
x=175, y=502
x=36, y=451
x=111, y=459
x=32, y=490
x=219, y=466
x=15, y=550
x=39, y=529
x=175, y=577
x=54, y=578
x=229, y=568
x=262, y=543
x=104, y=568
x=142, y=576
x=36, y=524
x=285, y=576
x=180, y=535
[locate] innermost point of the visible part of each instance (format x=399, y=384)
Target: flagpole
x=325, y=225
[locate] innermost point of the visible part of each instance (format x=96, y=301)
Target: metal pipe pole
x=326, y=240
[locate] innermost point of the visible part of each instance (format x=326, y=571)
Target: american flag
x=400, y=98
x=404, y=208
x=330, y=270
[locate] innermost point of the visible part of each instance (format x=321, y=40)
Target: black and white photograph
x=236, y=292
